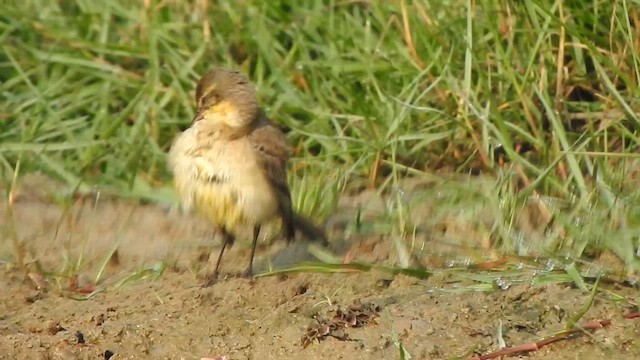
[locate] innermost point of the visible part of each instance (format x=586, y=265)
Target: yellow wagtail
x=230, y=165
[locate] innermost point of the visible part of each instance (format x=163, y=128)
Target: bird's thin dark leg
x=289, y=228
x=256, y=233
x=227, y=240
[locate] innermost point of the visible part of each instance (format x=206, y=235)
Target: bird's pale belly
x=233, y=207
x=221, y=179
x=243, y=198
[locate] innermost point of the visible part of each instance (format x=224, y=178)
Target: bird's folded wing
x=272, y=153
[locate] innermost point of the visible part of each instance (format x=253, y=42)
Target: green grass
x=499, y=106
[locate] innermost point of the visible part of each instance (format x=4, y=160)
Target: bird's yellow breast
x=221, y=180
x=218, y=204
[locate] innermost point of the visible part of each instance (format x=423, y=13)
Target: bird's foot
x=247, y=274
x=211, y=280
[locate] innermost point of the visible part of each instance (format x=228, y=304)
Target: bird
x=230, y=165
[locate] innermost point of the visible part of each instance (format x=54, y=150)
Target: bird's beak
x=199, y=115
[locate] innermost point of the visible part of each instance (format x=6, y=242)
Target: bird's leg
x=289, y=227
x=227, y=239
x=256, y=232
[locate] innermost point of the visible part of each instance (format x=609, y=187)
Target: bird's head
x=226, y=96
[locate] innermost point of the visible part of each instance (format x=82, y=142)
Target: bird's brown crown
x=226, y=96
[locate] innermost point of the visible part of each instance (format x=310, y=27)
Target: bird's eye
x=211, y=98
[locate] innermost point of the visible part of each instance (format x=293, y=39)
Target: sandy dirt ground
x=48, y=313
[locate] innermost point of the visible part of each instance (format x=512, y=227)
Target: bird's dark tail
x=308, y=230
